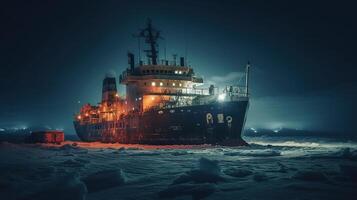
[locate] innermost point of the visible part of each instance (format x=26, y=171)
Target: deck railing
x=231, y=91
x=177, y=91
x=133, y=76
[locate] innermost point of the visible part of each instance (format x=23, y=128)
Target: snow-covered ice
x=268, y=169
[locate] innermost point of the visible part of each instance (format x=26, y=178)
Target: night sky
x=56, y=53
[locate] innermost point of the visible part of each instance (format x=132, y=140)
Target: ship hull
x=216, y=123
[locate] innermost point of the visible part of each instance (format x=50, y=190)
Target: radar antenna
x=151, y=36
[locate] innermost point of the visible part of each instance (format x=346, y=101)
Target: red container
x=47, y=137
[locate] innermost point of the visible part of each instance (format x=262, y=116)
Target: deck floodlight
x=221, y=97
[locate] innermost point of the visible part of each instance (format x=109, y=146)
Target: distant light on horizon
x=253, y=129
x=259, y=123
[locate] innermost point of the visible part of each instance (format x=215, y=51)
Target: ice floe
x=66, y=187
x=196, y=191
x=255, y=153
x=104, y=179
x=310, y=176
x=208, y=172
x=236, y=172
x=349, y=171
x=260, y=177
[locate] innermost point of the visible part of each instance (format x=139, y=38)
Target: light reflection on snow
x=99, y=145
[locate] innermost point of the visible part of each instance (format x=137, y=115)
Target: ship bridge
x=168, y=74
x=162, y=82
x=162, y=79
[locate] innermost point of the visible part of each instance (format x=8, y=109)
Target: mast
x=247, y=79
x=151, y=36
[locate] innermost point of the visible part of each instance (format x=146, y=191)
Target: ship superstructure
x=165, y=103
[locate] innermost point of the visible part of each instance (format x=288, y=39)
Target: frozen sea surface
x=270, y=168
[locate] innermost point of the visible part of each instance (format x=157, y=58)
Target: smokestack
x=109, y=90
x=131, y=61
x=182, y=61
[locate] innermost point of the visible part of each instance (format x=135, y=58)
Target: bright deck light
x=153, y=83
x=221, y=97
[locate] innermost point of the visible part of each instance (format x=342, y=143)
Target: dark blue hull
x=217, y=123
